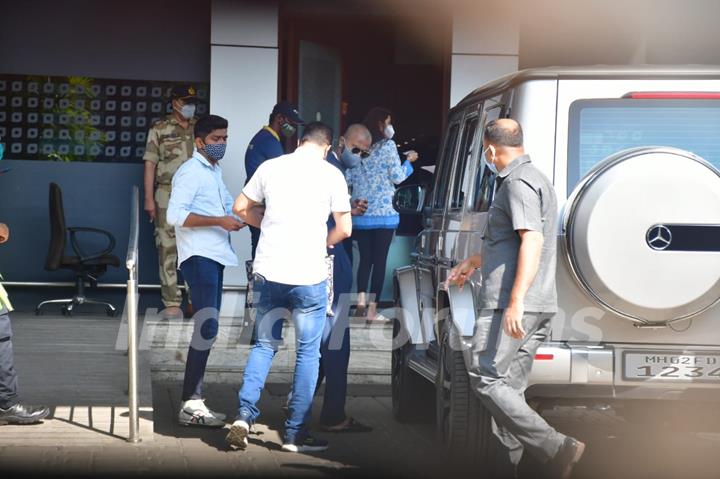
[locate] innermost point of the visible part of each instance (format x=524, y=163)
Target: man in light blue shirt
x=200, y=208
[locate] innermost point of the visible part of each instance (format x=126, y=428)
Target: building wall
x=94, y=195
x=617, y=32
x=159, y=40
x=132, y=39
x=243, y=89
x=485, y=45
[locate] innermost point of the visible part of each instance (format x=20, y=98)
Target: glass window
x=484, y=178
x=484, y=190
x=599, y=128
x=461, y=183
x=442, y=179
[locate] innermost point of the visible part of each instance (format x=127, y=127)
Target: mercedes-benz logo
x=659, y=237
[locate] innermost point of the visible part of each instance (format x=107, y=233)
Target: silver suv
x=634, y=157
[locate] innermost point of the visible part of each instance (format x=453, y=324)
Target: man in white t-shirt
x=299, y=191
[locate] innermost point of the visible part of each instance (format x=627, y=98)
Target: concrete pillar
x=485, y=45
x=243, y=89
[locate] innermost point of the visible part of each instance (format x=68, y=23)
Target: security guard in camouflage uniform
x=169, y=145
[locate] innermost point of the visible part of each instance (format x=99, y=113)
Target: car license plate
x=671, y=367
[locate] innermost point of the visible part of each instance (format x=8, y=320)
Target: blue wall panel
x=94, y=194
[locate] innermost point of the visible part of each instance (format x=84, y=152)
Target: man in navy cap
x=266, y=144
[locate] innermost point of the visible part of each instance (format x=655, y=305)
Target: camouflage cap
x=186, y=92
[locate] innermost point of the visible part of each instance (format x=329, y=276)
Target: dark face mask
x=215, y=151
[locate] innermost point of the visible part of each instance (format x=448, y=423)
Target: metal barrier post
x=132, y=310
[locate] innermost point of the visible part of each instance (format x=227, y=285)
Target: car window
x=484, y=178
x=484, y=190
x=461, y=184
x=443, y=172
x=600, y=128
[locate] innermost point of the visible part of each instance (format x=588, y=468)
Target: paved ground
x=73, y=365
x=617, y=448
x=391, y=449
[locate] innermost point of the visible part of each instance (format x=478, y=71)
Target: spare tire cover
x=619, y=225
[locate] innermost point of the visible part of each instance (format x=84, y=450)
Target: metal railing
x=70, y=284
x=131, y=262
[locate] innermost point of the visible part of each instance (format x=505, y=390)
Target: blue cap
x=290, y=111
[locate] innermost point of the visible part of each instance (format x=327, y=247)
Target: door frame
x=291, y=22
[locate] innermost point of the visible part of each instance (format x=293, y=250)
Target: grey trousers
x=499, y=371
x=8, y=375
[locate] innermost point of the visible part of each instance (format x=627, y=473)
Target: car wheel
x=464, y=425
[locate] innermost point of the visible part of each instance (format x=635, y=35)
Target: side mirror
x=410, y=199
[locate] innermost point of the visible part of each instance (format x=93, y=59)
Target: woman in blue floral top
x=374, y=180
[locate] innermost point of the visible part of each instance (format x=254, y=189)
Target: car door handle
x=446, y=262
x=424, y=258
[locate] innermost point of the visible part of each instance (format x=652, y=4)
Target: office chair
x=87, y=266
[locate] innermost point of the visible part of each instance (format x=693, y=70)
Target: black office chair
x=87, y=266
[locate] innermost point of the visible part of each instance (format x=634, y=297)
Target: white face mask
x=490, y=164
x=389, y=132
x=188, y=111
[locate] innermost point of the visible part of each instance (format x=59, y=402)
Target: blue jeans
x=205, y=278
x=335, y=344
x=274, y=301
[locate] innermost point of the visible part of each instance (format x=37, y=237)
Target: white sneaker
x=218, y=415
x=201, y=405
x=193, y=412
x=237, y=436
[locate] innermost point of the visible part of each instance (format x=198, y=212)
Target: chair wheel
x=110, y=312
x=66, y=311
x=38, y=312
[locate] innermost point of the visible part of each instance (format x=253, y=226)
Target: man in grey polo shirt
x=518, y=295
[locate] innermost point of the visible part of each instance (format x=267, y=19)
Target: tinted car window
x=484, y=178
x=484, y=189
x=461, y=184
x=441, y=179
x=599, y=128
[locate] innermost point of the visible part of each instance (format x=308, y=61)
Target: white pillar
x=243, y=89
x=485, y=45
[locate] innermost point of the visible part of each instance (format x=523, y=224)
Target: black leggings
x=374, y=245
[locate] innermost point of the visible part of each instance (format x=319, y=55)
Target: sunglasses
x=363, y=154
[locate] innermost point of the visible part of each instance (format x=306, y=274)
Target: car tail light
x=673, y=95
x=544, y=357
